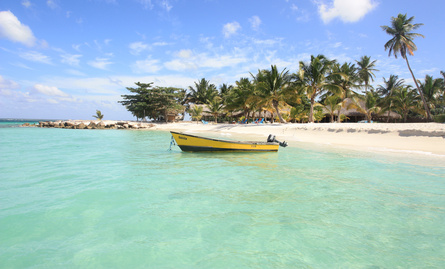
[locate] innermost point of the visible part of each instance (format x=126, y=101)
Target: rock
x=100, y=125
x=126, y=126
x=81, y=126
x=26, y=124
x=92, y=125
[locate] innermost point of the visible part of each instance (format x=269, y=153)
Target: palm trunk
x=311, y=112
x=275, y=105
x=425, y=105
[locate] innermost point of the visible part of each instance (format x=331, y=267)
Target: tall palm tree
x=345, y=76
x=272, y=87
x=404, y=100
x=402, y=43
x=387, y=90
x=365, y=70
x=202, y=93
x=312, y=79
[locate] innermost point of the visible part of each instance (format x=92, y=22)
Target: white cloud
x=255, y=22
x=11, y=28
x=231, y=28
x=26, y=3
x=137, y=47
x=346, y=10
x=6, y=84
x=165, y=5
x=51, y=4
x=71, y=59
x=186, y=60
x=146, y=66
x=48, y=90
x=35, y=56
x=100, y=63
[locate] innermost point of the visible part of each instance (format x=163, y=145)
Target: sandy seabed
x=409, y=138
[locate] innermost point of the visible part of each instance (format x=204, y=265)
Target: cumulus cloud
x=255, y=22
x=346, y=10
x=231, y=28
x=12, y=29
x=48, y=90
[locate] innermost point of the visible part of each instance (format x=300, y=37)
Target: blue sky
x=65, y=59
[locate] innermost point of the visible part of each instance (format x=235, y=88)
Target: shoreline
x=405, y=138
x=425, y=138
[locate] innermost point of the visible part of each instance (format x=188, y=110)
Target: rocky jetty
x=80, y=124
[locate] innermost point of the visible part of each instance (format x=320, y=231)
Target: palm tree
x=387, y=90
x=365, y=70
x=312, y=79
x=404, y=100
x=202, y=93
x=240, y=97
x=196, y=112
x=346, y=77
x=431, y=89
x=98, y=115
x=366, y=104
x=215, y=106
x=272, y=87
x=333, y=104
x=402, y=43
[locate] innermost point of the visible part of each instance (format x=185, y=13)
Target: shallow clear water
x=120, y=199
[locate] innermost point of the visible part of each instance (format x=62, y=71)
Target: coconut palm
x=196, y=112
x=272, y=87
x=387, y=90
x=432, y=89
x=404, y=100
x=402, y=43
x=365, y=70
x=98, y=115
x=202, y=93
x=312, y=79
x=333, y=104
x=366, y=104
x=215, y=106
x=240, y=97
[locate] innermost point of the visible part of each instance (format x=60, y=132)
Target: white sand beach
x=424, y=138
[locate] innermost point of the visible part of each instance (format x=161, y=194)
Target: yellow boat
x=197, y=143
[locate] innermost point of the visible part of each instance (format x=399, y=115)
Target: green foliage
x=202, y=93
x=98, y=115
x=440, y=118
x=153, y=102
x=196, y=112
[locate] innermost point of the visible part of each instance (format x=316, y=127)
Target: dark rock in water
x=92, y=125
x=81, y=126
x=100, y=125
x=69, y=124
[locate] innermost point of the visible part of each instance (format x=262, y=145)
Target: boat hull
x=197, y=143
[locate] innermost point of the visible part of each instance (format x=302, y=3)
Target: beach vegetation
x=366, y=104
x=405, y=99
x=202, y=93
x=154, y=102
x=313, y=79
x=272, y=87
x=215, y=106
x=196, y=112
x=98, y=115
x=366, y=69
x=401, y=30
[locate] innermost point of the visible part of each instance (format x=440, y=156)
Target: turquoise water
x=120, y=199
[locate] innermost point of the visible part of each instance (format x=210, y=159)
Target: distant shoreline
x=425, y=138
